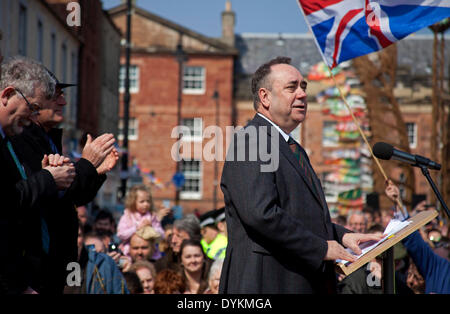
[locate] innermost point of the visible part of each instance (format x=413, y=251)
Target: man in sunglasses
x=43, y=137
x=21, y=91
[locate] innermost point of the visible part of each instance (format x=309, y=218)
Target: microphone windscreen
x=383, y=150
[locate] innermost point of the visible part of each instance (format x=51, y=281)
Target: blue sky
x=204, y=16
x=252, y=16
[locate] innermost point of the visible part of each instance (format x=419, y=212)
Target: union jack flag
x=346, y=29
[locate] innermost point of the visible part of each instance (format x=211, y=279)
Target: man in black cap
x=214, y=243
x=40, y=138
x=221, y=222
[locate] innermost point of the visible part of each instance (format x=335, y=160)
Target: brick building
x=154, y=87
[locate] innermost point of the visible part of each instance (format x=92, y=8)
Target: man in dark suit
x=281, y=239
x=21, y=92
x=43, y=137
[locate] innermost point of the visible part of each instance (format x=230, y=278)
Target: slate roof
x=215, y=43
x=415, y=55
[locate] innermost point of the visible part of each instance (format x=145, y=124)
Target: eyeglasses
x=34, y=107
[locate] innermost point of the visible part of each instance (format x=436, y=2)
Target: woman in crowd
x=195, y=269
x=147, y=275
x=214, y=277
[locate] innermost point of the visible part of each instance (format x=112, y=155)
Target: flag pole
x=399, y=202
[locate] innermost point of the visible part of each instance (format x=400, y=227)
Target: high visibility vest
x=217, y=248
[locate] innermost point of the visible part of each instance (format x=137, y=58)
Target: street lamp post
x=181, y=57
x=126, y=102
x=216, y=166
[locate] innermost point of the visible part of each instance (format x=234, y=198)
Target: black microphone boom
x=386, y=151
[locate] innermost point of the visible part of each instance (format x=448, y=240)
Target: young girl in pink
x=139, y=212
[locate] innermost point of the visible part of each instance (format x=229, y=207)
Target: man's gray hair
x=216, y=266
x=26, y=75
x=191, y=225
x=355, y=213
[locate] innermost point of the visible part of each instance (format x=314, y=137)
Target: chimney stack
x=228, y=22
x=133, y=2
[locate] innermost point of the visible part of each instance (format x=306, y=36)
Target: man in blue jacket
x=433, y=268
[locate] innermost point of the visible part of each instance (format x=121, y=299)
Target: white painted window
x=133, y=129
x=194, y=80
x=134, y=79
x=411, y=128
x=195, y=126
x=192, y=170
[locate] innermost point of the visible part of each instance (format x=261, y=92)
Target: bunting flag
x=346, y=29
x=338, y=177
x=342, y=153
x=343, y=162
x=319, y=72
x=351, y=198
x=157, y=182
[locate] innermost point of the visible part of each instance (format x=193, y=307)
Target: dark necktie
x=299, y=155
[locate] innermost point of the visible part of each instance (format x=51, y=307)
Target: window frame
x=193, y=195
x=413, y=144
x=192, y=137
x=133, y=124
x=192, y=78
x=134, y=89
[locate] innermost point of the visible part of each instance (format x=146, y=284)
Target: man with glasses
x=34, y=107
x=43, y=137
x=21, y=228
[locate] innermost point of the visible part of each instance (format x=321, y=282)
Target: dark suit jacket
x=17, y=199
x=49, y=272
x=277, y=225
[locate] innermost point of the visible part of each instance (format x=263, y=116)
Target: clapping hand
x=109, y=162
x=61, y=169
x=96, y=150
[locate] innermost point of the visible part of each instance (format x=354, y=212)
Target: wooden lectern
x=386, y=247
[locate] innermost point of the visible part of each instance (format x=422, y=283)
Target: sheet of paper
x=393, y=227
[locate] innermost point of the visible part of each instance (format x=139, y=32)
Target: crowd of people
x=159, y=256
x=50, y=247
x=55, y=242
x=147, y=252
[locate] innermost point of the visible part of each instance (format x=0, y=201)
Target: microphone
x=386, y=151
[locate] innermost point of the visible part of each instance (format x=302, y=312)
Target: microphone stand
x=426, y=173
